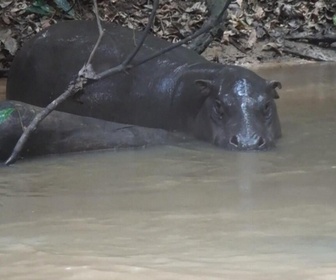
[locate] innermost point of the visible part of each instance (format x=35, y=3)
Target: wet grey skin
x=65, y=133
x=229, y=106
x=243, y=115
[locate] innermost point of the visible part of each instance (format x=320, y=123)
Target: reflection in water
x=246, y=173
x=184, y=212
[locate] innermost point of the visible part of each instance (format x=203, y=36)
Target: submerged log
x=64, y=133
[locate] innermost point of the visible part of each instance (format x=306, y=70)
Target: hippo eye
x=267, y=108
x=218, y=109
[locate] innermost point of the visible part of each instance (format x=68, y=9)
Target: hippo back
x=45, y=65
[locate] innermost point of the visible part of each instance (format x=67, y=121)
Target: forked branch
x=78, y=83
x=87, y=72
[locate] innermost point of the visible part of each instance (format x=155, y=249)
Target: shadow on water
x=184, y=212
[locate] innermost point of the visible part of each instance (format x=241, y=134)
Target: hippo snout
x=254, y=142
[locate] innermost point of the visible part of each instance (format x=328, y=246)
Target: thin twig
x=81, y=78
x=73, y=87
x=199, y=32
x=97, y=17
x=145, y=33
x=125, y=65
x=174, y=46
x=101, y=33
x=204, y=29
x=306, y=56
x=37, y=119
x=77, y=84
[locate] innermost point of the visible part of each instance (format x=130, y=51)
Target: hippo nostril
x=261, y=142
x=248, y=143
x=234, y=141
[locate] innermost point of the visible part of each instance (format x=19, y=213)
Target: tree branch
x=125, y=65
x=38, y=118
x=87, y=72
x=200, y=43
x=205, y=28
x=78, y=84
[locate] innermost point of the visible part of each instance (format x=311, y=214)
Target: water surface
x=190, y=211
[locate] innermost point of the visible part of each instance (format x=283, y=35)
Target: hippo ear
x=205, y=87
x=273, y=85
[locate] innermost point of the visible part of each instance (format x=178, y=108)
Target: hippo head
x=238, y=111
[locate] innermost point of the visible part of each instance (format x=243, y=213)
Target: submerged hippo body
x=229, y=106
x=63, y=133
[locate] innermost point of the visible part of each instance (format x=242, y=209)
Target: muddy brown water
x=184, y=212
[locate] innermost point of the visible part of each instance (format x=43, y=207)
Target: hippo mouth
x=252, y=143
x=241, y=143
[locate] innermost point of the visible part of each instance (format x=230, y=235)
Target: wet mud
x=190, y=211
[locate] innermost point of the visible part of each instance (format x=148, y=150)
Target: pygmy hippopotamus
x=229, y=106
x=62, y=132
